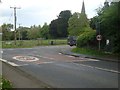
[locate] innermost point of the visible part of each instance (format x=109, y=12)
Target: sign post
x=99, y=38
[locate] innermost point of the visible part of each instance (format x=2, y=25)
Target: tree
x=6, y=31
x=22, y=33
x=77, y=23
x=83, y=20
x=93, y=22
x=33, y=33
x=65, y=15
x=45, y=31
x=58, y=27
x=63, y=23
x=74, y=25
x=53, y=29
x=87, y=38
x=62, y=26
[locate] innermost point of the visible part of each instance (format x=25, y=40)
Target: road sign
x=107, y=42
x=99, y=37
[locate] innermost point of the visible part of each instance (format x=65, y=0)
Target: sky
x=37, y=12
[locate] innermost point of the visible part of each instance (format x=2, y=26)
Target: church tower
x=83, y=8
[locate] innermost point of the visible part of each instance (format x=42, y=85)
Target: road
x=62, y=71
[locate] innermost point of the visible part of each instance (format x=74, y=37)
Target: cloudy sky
x=37, y=12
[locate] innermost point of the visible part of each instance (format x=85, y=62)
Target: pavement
x=68, y=52
x=19, y=79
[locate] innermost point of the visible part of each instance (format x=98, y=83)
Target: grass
x=4, y=84
x=94, y=52
x=32, y=43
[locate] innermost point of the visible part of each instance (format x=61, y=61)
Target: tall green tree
x=58, y=27
x=22, y=33
x=74, y=25
x=93, y=22
x=33, y=33
x=53, y=29
x=44, y=32
x=77, y=23
x=65, y=15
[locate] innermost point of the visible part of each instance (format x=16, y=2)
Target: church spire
x=83, y=8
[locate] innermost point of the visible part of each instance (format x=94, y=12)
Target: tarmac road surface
x=62, y=71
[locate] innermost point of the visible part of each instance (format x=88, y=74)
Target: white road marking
x=1, y=51
x=104, y=69
x=59, y=53
x=3, y=60
x=46, y=57
x=46, y=62
x=93, y=60
x=25, y=58
x=84, y=60
x=71, y=56
x=11, y=63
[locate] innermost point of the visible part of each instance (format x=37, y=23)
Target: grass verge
x=32, y=43
x=95, y=53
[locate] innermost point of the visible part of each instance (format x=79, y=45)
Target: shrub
x=86, y=37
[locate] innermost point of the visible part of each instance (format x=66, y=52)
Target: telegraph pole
x=19, y=33
x=15, y=19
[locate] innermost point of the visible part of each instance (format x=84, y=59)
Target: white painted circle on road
x=25, y=58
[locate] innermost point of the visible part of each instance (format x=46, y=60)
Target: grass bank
x=32, y=43
x=96, y=53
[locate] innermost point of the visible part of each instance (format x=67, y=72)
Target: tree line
x=56, y=29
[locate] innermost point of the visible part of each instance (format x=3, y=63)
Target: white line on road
x=1, y=51
x=46, y=62
x=93, y=60
x=109, y=70
x=85, y=60
x=11, y=63
x=71, y=56
x=45, y=57
x=59, y=53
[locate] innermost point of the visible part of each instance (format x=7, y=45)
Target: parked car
x=72, y=40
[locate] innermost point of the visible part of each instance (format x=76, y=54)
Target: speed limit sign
x=99, y=37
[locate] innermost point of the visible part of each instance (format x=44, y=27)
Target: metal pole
x=99, y=44
x=99, y=34
x=19, y=33
x=15, y=23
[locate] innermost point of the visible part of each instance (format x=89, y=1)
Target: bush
x=86, y=38
x=5, y=84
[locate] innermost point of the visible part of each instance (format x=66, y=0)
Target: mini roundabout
x=25, y=58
